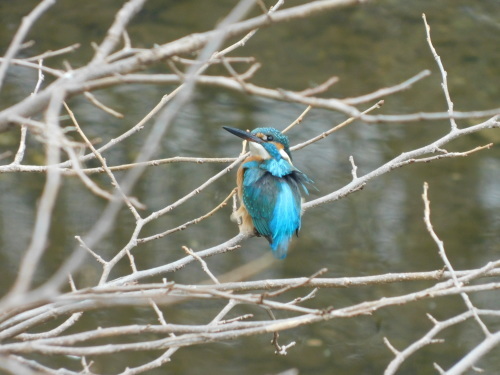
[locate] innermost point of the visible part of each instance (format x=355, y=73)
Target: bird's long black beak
x=243, y=134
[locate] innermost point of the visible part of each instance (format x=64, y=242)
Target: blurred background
x=378, y=230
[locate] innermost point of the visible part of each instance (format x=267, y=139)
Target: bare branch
x=444, y=257
x=49, y=54
x=123, y=17
x=382, y=93
x=298, y=120
x=399, y=161
x=184, y=45
x=130, y=202
x=320, y=88
x=204, y=265
x=187, y=224
x=100, y=105
x=467, y=362
x=338, y=127
x=43, y=217
x=26, y=25
x=444, y=75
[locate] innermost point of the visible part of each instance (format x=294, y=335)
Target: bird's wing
x=302, y=180
x=260, y=192
x=274, y=205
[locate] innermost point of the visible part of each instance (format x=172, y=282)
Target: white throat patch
x=258, y=150
x=285, y=156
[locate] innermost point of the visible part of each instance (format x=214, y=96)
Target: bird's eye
x=269, y=138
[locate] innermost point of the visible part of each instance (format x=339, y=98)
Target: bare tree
x=27, y=309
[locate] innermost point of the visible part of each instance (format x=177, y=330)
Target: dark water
x=378, y=230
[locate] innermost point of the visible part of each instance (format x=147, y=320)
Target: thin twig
x=187, y=224
x=204, y=265
x=354, y=170
x=446, y=261
x=26, y=24
x=444, y=75
x=37, y=246
x=298, y=285
x=95, y=255
x=338, y=127
x=130, y=202
x=49, y=54
x=386, y=91
x=298, y=120
x=18, y=158
x=100, y=105
x=320, y=88
x=468, y=361
x=123, y=17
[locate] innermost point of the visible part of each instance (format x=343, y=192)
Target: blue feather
x=286, y=219
x=278, y=168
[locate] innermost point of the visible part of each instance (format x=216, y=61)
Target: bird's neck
x=270, y=158
x=278, y=168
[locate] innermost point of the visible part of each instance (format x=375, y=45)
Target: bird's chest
x=261, y=181
x=261, y=190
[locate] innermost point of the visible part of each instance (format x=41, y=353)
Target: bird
x=270, y=189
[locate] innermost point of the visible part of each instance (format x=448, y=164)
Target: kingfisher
x=269, y=189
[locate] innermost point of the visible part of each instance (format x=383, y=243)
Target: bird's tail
x=280, y=248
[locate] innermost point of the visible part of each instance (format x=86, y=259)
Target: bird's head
x=265, y=142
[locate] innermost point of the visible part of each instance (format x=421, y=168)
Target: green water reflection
x=378, y=230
